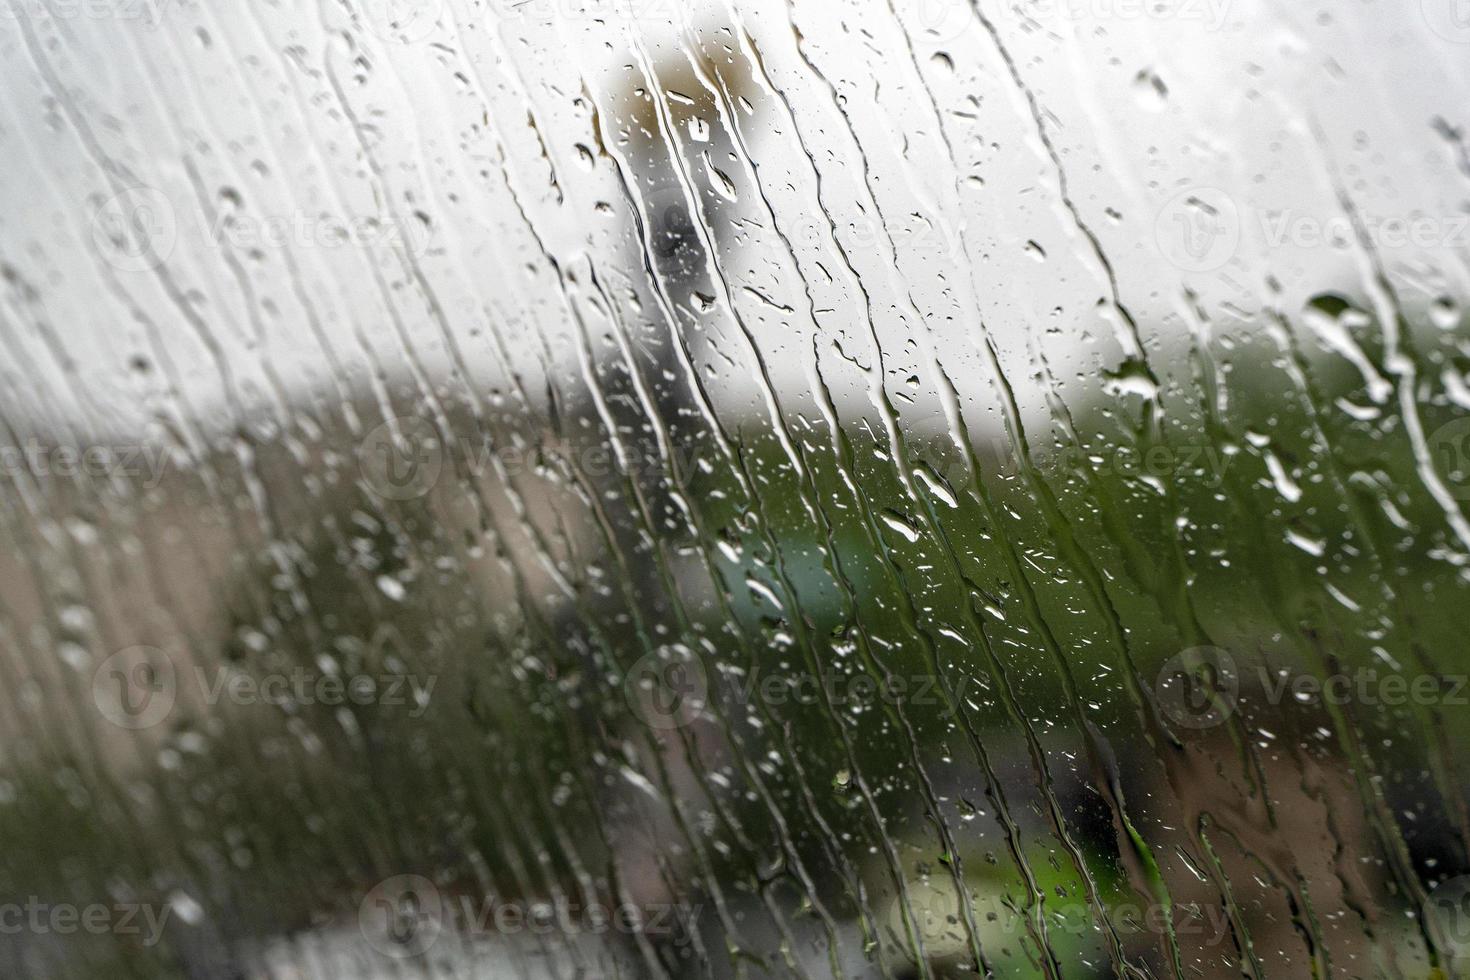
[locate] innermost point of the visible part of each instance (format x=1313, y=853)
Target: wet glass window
x=734, y=489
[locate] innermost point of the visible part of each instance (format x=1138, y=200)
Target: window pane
x=777, y=488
